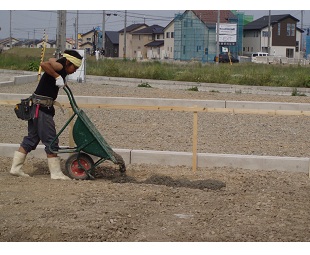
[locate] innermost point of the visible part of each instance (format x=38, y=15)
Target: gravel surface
x=161, y=203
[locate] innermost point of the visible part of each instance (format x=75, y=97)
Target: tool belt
x=42, y=100
x=23, y=110
x=45, y=102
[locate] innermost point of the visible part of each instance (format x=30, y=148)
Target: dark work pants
x=41, y=129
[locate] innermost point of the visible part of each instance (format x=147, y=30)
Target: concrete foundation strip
x=204, y=160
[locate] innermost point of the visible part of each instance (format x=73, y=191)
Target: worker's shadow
x=156, y=179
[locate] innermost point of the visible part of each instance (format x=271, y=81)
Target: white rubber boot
x=54, y=167
x=18, y=161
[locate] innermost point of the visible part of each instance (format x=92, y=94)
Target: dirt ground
x=154, y=203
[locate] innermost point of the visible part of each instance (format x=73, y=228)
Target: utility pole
x=301, y=34
x=269, y=22
x=34, y=38
x=124, y=53
x=10, y=29
x=103, y=31
x=218, y=38
x=77, y=30
x=61, y=33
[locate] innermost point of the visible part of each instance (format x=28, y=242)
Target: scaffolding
x=195, y=40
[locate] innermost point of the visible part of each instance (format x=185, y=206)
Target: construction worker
x=41, y=127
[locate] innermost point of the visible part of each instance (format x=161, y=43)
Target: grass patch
x=144, y=85
x=195, y=88
x=239, y=74
x=296, y=93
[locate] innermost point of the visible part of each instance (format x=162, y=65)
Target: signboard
x=80, y=74
x=227, y=34
x=227, y=29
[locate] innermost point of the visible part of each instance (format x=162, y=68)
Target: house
x=168, y=51
x=48, y=44
x=5, y=44
x=89, y=40
x=28, y=43
x=148, y=42
x=284, y=40
x=87, y=46
x=111, y=44
x=127, y=51
x=195, y=34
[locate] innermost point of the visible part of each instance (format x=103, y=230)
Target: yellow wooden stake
x=42, y=54
x=195, y=140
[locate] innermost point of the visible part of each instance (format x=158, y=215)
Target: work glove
x=60, y=82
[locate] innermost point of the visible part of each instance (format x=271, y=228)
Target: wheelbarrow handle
x=71, y=98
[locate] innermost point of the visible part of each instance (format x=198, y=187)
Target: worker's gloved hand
x=60, y=82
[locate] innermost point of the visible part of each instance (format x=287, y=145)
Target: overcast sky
x=31, y=24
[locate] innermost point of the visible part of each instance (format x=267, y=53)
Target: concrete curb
x=172, y=102
x=25, y=79
x=204, y=160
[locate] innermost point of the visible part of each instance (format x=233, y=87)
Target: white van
x=258, y=54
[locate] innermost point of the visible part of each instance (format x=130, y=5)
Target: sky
x=31, y=20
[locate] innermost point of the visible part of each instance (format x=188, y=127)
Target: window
x=172, y=34
x=279, y=28
x=168, y=35
x=297, y=46
x=265, y=34
x=293, y=30
x=198, y=48
x=290, y=29
x=157, y=37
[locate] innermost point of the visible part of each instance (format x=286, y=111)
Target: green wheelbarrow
x=89, y=142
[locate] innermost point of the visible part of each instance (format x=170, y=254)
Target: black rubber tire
x=74, y=171
x=120, y=162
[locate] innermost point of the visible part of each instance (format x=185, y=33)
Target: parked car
x=258, y=54
x=224, y=58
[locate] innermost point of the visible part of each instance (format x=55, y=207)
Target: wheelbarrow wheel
x=73, y=169
x=120, y=162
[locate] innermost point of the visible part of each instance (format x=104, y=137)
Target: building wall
x=251, y=42
x=283, y=39
x=168, y=49
x=139, y=51
x=111, y=50
x=129, y=51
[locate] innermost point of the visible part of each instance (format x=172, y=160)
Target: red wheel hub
x=76, y=170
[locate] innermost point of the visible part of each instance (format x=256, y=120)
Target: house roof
x=132, y=27
x=90, y=31
x=209, y=16
x=7, y=40
x=263, y=21
x=86, y=43
x=157, y=43
x=113, y=36
x=154, y=29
